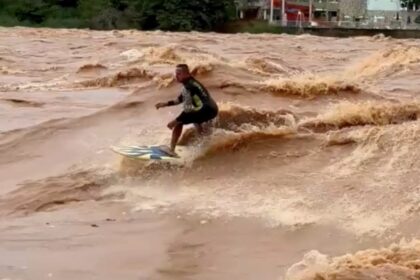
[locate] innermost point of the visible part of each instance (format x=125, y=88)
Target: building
x=330, y=13
x=370, y=13
x=303, y=11
x=326, y=10
x=249, y=9
x=383, y=5
x=296, y=11
x=352, y=13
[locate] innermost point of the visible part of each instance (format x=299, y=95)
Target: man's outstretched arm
x=177, y=101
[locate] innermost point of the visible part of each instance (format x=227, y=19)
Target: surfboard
x=145, y=152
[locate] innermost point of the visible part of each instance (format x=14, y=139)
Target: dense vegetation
x=181, y=15
x=410, y=3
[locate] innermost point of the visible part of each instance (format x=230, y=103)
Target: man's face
x=180, y=75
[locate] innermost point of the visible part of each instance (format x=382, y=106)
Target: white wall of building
x=382, y=5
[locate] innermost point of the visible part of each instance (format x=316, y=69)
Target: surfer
x=199, y=106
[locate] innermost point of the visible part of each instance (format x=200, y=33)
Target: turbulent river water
x=311, y=171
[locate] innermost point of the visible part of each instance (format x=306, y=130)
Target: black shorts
x=204, y=115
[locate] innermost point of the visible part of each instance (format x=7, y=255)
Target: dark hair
x=183, y=67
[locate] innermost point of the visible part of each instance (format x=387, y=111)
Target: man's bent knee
x=174, y=124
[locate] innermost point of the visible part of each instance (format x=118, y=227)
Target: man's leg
x=199, y=128
x=204, y=129
x=176, y=133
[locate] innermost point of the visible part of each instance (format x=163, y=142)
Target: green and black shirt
x=195, y=97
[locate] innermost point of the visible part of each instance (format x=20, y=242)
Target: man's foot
x=172, y=154
x=168, y=151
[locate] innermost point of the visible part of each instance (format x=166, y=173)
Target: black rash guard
x=195, y=97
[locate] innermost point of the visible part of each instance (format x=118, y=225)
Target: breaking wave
x=237, y=125
x=199, y=63
x=56, y=191
x=9, y=71
x=309, y=86
x=223, y=141
x=386, y=62
x=397, y=262
x=347, y=114
x=91, y=68
x=129, y=76
x=22, y=102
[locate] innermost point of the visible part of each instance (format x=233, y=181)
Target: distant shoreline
x=354, y=32
x=260, y=27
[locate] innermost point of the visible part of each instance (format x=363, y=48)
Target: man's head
x=182, y=72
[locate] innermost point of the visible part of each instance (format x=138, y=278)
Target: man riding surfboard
x=199, y=106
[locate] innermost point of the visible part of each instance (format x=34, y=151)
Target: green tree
x=182, y=15
x=63, y=3
x=90, y=8
x=147, y=12
x=120, y=5
x=410, y=3
x=34, y=11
